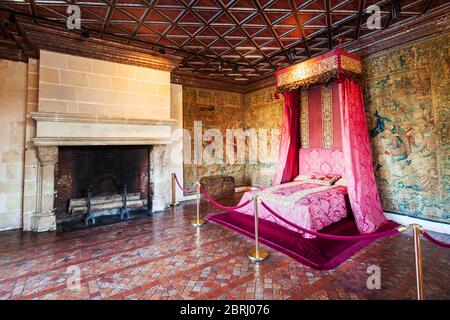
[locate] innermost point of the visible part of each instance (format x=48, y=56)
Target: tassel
x=276, y=95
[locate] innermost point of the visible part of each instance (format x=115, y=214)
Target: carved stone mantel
x=92, y=118
x=48, y=155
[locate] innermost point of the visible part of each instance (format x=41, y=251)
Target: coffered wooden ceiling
x=239, y=40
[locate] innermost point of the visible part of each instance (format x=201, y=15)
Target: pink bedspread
x=314, y=211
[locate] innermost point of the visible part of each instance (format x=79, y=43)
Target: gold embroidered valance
x=321, y=69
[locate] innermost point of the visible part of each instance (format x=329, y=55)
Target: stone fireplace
x=67, y=167
x=91, y=119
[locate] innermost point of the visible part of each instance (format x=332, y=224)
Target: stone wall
x=76, y=100
x=216, y=110
x=32, y=166
x=13, y=103
x=80, y=85
x=257, y=111
x=263, y=111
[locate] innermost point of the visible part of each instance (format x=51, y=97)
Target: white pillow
x=341, y=182
x=318, y=178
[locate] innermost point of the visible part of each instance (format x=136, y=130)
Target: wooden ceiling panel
x=239, y=40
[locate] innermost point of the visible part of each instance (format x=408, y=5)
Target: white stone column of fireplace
x=87, y=102
x=44, y=218
x=159, y=175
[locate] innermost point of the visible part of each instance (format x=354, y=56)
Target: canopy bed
x=324, y=178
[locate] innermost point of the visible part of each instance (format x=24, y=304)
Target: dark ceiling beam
x=388, y=21
x=8, y=44
x=361, y=6
x=299, y=26
x=187, y=10
x=188, y=7
x=321, y=32
x=144, y=17
x=427, y=6
x=3, y=23
x=111, y=9
x=177, y=20
x=22, y=33
x=12, y=37
x=239, y=27
x=33, y=10
x=328, y=20
x=220, y=37
x=271, y=29
x=59, y=24
x=208, y=59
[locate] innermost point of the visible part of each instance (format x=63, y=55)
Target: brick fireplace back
x=82, y=168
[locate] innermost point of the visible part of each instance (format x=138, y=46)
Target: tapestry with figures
x=407, y=108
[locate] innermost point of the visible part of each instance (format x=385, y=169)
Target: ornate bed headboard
x=321, y=161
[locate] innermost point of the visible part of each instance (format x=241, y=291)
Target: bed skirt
x=317, y=253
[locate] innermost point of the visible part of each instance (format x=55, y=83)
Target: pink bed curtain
x=358, y=168
x=287, y=165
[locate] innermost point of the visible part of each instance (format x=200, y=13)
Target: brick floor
x=164, y=257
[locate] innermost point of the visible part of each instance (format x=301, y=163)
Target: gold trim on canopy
x=327, y=116
x=321, y=69
x=304, y=119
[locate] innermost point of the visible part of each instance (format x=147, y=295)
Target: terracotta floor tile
x=164, y=257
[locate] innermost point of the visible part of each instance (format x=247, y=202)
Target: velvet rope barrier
x=435, y=241
x=191, y=189
x=334, y=237
x=202, y=189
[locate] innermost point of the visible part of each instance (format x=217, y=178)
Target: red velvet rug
x=319, y=254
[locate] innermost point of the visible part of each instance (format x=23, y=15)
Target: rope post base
x=257, y=255
x=417, y=229
x=174, y=202
x=198, y=222
x=254, y=257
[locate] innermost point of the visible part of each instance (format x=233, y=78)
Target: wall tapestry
x=407, y=106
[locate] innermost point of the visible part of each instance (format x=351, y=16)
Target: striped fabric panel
x=304, y=118
x=327, y=116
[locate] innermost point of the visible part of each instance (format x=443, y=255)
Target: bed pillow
x=341, y=182
x=318, y=178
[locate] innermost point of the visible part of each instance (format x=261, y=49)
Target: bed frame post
x=198, y=222
x=418, y=258
x=257, y=254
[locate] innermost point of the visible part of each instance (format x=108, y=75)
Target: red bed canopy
x=342, y=70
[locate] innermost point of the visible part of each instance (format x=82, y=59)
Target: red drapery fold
x=358, y=168
x=287, y=165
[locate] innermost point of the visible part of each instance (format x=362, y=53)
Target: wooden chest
x=218, y=187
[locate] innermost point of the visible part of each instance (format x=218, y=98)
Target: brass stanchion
x=257, y=254
x=198, y=222
x=418, y=258
x=174, y=191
